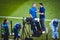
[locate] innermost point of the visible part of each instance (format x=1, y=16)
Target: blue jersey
x=16, y=31
x=5, y=29
x=4, y=26
x=16, y=28
x=55, y=23
x=42, y=10
x=32, y=11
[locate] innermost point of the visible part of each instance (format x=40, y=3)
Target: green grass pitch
x=20, y=8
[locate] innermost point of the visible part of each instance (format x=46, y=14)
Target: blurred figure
x=54, y=28
x=5, y=30
x=42, y=16
x=32, y=11
x=16, y=30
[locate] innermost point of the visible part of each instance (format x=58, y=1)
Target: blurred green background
x=20, y=8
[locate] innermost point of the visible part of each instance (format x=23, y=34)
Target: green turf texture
x=20, y=8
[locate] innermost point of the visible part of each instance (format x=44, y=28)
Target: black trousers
x=42, y=21
x=6, y=36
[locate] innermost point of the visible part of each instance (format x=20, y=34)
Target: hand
x=37, y=11
x=41, y=13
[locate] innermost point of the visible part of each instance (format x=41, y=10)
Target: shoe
x=43, y=32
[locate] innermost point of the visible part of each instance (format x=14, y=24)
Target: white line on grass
x=10, y=17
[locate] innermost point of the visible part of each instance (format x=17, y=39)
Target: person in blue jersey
x=42, y=16
x=32, y=11
x=16, y=30
x=54, y=27
x=5, y=30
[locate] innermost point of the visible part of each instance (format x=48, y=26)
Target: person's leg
x=38, y=27
x=33, y=27
x=7, y=35
x=42, y=24
x=2, y=36
x=14, y=37
x=56, y=35
x=18, y=37
x=7, y=38
x=53, y=35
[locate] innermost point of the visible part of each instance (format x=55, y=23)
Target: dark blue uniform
x=42, y=10
x=5, y=31
x=42, y=17
x=16, y=30
x=32, y=11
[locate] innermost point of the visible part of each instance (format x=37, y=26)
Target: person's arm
x=51, y=25
x=30, y=12
x=31, y=15
x=41, y=13
x=37, y=10
x=57, y=27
